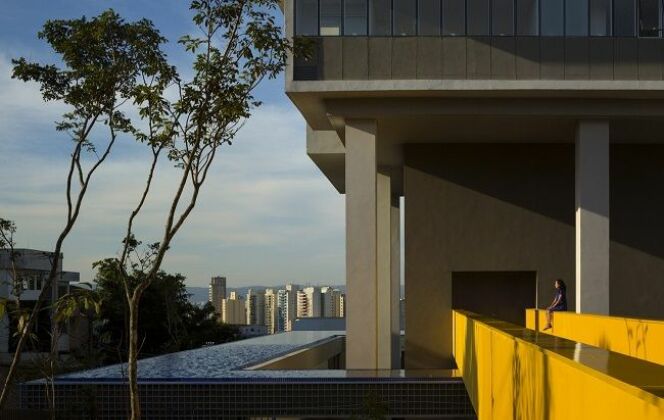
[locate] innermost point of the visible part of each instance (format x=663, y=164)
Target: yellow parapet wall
x=514, y=373
x=640, y=338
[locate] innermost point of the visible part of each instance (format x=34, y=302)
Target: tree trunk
x=132, y=364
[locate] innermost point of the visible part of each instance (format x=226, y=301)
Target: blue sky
x=266, y=216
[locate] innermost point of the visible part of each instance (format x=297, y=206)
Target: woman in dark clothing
x=559, y=302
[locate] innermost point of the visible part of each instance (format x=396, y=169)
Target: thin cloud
x=266, y=214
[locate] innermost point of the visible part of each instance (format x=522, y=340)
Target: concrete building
x=233, y=310
x=290, y=308
x=286, y=308
x=302, y=304
x=217, y=292
x=309, y=302
x=26, y=277
x=255, y=304
x=271, y=311
x=331, y=302
x=327, y=302
x=524, y=139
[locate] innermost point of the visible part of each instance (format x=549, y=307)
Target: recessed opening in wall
x=503, y=295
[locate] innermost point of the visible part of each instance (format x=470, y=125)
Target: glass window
x=429, y=17
x=527, y=17
x=478, y=17
x=650, y=16
x=380, y=23
x=306, y=17
x=576, y=17
x=330, y=17
x=600, y=18
x=552, y=17
x=404, y=13
x=624, y=12
x=454, y=17
x=355, y=17
x=502, y=17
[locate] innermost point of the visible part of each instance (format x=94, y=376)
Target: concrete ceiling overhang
x=310, y=96
x=425, y=117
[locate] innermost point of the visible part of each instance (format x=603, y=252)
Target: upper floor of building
x=504, y=18
x=578, y=40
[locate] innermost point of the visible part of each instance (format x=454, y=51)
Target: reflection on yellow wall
x=509, y=377
x=640, y=338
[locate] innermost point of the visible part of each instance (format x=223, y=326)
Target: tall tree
x=240, y=45
x=104, y=62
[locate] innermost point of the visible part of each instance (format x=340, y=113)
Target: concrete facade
x=523, y=158
x=483, y=58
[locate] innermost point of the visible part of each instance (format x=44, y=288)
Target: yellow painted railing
x=514, y=373
x=640, y=338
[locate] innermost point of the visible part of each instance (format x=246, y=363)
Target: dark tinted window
x=527, y=17
x=478, y=17
x=405, y=15
x=454, y=17
x=330, y=17
x=306, y=17
x=429, y=17
x=552, y=17
x=355, y=17
x=380, y=23
x=650, y=16
x=600, y=17
x=624, y=12
x=576, y=17
x=502, y=17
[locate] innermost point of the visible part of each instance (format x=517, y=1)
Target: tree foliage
x=108, y=63
x=240, y=45
x=167, y=320
x=103, y=64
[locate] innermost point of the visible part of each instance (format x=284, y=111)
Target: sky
x=266, y=215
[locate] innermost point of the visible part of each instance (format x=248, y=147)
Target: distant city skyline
x=278, y=309
x=255, y=223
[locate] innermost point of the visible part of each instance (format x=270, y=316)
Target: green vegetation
x=168, y=321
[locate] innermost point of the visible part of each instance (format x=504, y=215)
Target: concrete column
x=369, y=318
x=592, y=217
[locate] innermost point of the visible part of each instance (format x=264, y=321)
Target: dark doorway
x=503, y=295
